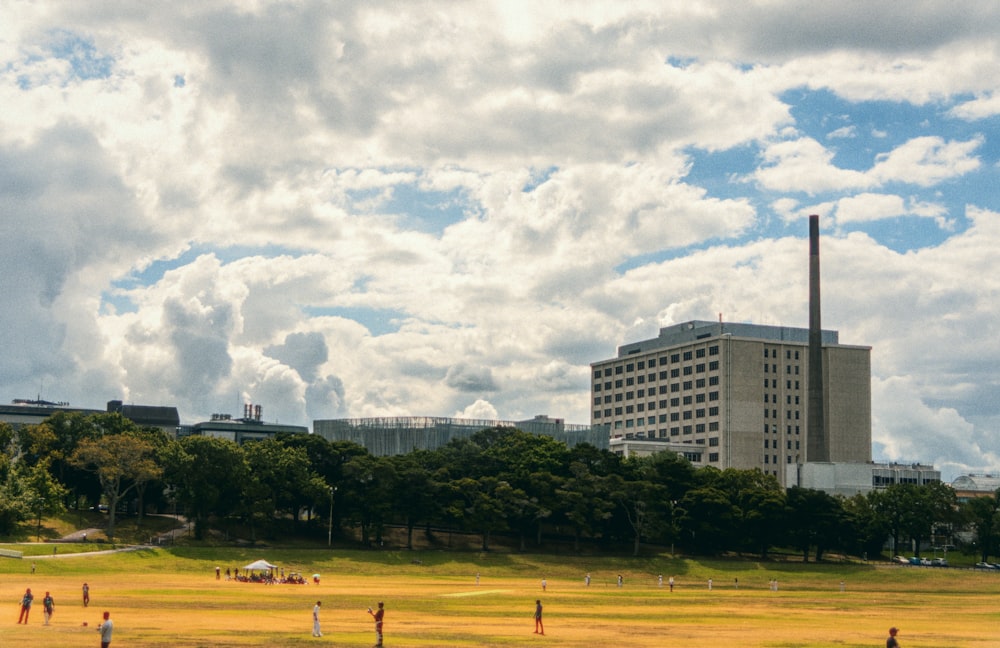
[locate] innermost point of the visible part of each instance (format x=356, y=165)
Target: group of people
x=49, y=606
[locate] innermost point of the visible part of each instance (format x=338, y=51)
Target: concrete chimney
x=817, y=442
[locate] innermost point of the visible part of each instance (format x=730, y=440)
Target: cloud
x=468, y=378
x=337, y=210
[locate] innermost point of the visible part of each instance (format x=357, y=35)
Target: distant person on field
x=105, y=630
x=48, y=607
x=25, y=606
x=659, y=580
x=378, y=616
x=539, y=628
x=586, y=580
x=891, y=642
x=545, y=584
x=619, y=580
x=86, y=595
x=671, y=582
x=316, y=631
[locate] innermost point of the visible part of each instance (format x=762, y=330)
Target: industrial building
x=393, y=435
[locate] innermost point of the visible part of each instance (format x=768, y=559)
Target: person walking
x=86, y=595
x=619, y=580
x=671, y=582
x=586, y=580
x=105, y=629
x=316, y=631
x=539, y=627
x=890, y=641
x=379, y=616
x=659, y=580
x=545, y=584
x=25, y=606
x=48, y=607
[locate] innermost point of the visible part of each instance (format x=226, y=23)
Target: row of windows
x=774, y=399
x=774, y=443
x=774, y=459
x=641, y=379
x=642, y=365
x=686, y=415
x=789, y=369
x=773, y=353
x=674, y=402
x=686, y=385
x=788, y=413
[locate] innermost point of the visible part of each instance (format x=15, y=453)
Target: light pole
x=329, y=529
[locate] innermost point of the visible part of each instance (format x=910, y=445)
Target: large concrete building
x=739, y=390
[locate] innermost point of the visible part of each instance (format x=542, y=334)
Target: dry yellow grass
x=159, y=599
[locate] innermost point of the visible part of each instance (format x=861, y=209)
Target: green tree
x=983, y=514
x=208, y=476
x=815, y=520
x=44, y=494
x=121, y=459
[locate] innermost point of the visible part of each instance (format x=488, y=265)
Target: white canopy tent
x=260, y=565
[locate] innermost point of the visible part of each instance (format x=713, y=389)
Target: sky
x=357, y=209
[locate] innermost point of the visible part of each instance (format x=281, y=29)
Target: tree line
x=530, y=488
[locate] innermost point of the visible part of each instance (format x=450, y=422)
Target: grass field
x=160, y=598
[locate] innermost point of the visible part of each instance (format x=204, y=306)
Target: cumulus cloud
x=382, y=209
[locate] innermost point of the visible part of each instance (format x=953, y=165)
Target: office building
x=739, y=390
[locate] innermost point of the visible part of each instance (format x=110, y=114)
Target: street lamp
x=329, y=530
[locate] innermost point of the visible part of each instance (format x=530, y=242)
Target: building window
x=597, y=414
x=675, y=416
x=597, y=401
x=765, y=458
x=675, y=387
x=688, y=370
x=713, y=457
x=640, y=365
x=630, y=367
x=640, y=407
x=618, y=398
x=663, y=375
x=607, y=412
x=675, y=372
x=676, y=357
x=699, y=413
x=607, y=399
x=619, y=384
x=618, y=411
x=640, y=380
x=713, y=426
x=663, y=404
x=651, y=377
x=675, y=402
x=713, y=350
x=663, y=389
x=687, y=385
x=699, y=428
x=687, y=400
x=629, y=381
x=687, y=429
x=713, y=411
x=699, y=398
x=629, y=423
x=700, y=367
x=713, y=442
x=713, y=395
x=597, y=373
x=629, y=409
x=713, y=365
x=699, y=353
x=675, y=431
x=663, y=418
x=699, y=383
x=713, y=380
x=687, y=415
x=687, y=355
x=651, y=420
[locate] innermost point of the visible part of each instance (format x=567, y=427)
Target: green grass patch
x=170, y=597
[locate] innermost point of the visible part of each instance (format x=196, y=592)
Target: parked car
x=984, y=565
x=939, y=562
x=900, y=560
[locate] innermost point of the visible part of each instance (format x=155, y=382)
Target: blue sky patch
x=81, y=53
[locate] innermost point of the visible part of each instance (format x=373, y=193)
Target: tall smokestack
x=817, y=443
